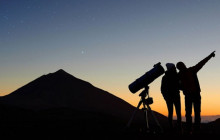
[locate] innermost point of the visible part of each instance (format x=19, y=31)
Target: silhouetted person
x=191, y=89
x=171, y=94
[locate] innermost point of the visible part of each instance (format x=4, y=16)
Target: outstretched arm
x=198, y=66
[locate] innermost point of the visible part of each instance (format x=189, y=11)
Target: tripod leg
x=129, y=122
x=152, y=113
x=146, y=117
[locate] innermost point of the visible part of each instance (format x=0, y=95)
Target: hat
x=170, y=65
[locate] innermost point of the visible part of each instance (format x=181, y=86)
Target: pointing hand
x=213, y=54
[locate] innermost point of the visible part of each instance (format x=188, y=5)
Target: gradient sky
x=110, y=43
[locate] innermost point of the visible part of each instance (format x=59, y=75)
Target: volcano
x=61, y=95
x=62, y=90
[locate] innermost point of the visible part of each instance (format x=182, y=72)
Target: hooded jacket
x=170, y=85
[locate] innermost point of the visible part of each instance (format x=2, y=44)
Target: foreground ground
x=46, y=130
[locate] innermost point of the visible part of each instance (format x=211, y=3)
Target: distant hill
x=61, y=97
x=62, y=90
x=204, y=119
x=213, y=127
x=59, y=105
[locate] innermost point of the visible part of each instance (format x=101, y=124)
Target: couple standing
x=187, y=81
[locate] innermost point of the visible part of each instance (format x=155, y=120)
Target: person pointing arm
x=198, y=66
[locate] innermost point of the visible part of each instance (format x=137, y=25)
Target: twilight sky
x=110, y=43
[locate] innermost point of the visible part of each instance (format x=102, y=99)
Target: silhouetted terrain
x=60, y=105
x=213, y=127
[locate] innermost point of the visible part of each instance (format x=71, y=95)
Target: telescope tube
x=147, y=78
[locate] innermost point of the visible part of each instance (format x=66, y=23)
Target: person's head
x=170, y=67
x=180, y=66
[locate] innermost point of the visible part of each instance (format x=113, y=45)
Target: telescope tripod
x=146, y=107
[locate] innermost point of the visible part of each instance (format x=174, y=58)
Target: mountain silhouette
x=68, y=102
x=59, y=104
x=62, y=90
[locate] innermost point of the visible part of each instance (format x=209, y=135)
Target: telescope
x=143, y=82
x=147, y=78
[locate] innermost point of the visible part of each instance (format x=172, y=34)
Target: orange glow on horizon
x=210, y=99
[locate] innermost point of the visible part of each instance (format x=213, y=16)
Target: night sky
x=110, y=43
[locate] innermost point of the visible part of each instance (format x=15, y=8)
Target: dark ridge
x=60, y=100
x=62, y=90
